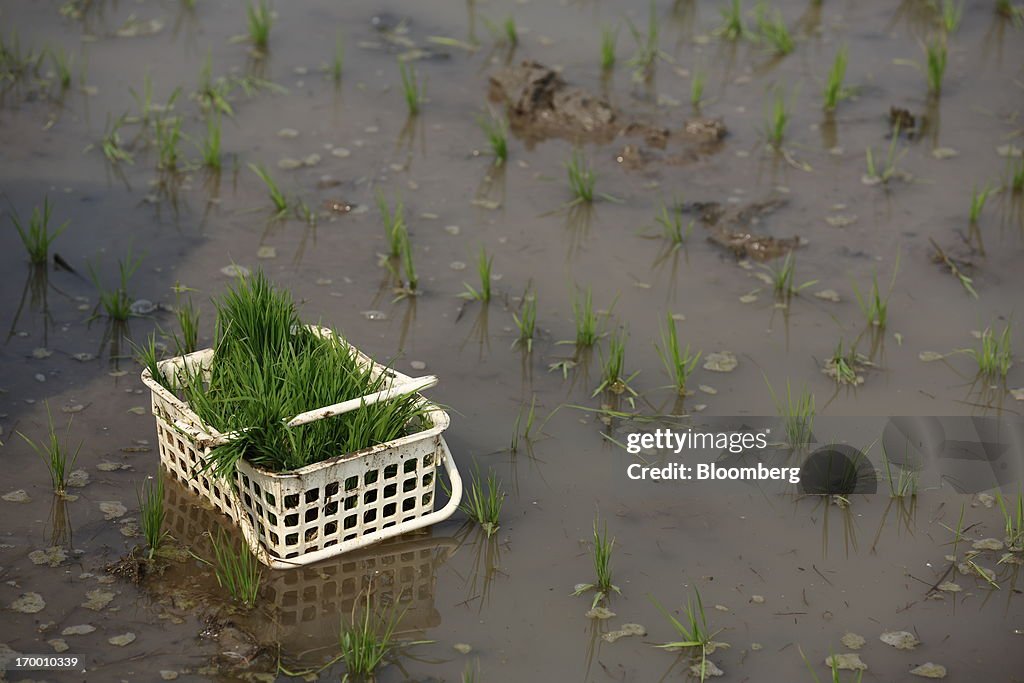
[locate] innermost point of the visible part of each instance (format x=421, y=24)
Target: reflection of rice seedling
x=875, y=175
x=260, y=20
x=237, y=570
x=678, y=362
x=497, y=137
x=952, y=13
x=608, y=38
x=211, y=143
x=773, y=29
x=116, y=303
x=695, y=633
x=276, y=196
x=602, y=585
x=978, y=200
x=995, y=356
x=935, y=55
x=697, y=88
x=366, y=640
x=783, y=278
x=1013, y=519
x=37, y=238
x=526, y=322
x=111, y=143
x=394, y=223
x=904, y=483
x=483, y=502
x=777, y=119
x=411, y=88
x=834, y=90
x=613, y=367
x=875, y=307
x=55, y=455
x=151, y=506
x=671, y=222
x=797, y=414
x=338, y=59
x=732, y=27
x=483, y=269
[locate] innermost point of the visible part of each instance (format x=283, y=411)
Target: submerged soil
x=779, y=573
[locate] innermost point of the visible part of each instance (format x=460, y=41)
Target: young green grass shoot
x=777, y=119
x=210, y=147
x=237, y=570
x=935, y=65
x=647, y=51
x=609, y=36
x=59, y=457
x=881, y=175
x=732, y=27
x=694, y=634
x=482, y=502
x=602, y=585
x=394, y=224
x=117, y=302
x=366, y=640
x=773, y=30
x=874, y=305
x=483, y=269
x=613, y=367
x=37, y=237
x=276, y=195
x=697, y=83
x=678, y=362
x=496, y=131
x=526, y=322
x=994, y=356
x=672, y=225
x=978, y=200
x=797, y=413
x=1013, y=519
x=952, y=14
x=411, y=88
x=260, y=20
x=338, y=59
x=152, y=513
x=113, y=148
x=585, y=318
x=834, y=91
x=783, y=278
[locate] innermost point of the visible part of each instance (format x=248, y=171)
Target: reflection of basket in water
x=324, y=509
x=309, y=602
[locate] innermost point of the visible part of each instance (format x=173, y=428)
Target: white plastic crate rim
x=325, y=509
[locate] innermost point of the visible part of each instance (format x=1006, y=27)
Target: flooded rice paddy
x=703, y=198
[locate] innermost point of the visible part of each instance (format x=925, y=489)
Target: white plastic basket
x=290, y=519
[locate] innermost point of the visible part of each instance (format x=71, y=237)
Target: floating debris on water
x=122, y=640
x=112, y=509
x=599, y=612
x=235, y=270
x=78, y=630
x=375, y=315
x=988, y=544
x=828, y=295
x=18, y=496
x=28, y=603
x=929, y=670
x=142, y=307
x=846, y=662
x=52, y=556
x=721, y=361
x=705, y=668
x=462, y=648
x=97, y=599
x=901, y=640
x=623, y=632
x=853, y=641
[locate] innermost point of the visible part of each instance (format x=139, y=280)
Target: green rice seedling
x=483, y=501
x=338, y=59
x=797, y=413
x=697, y=88
x=888, y=170
x=784, y=278
x=144, y=100
x=833, y=665
x=149, y=357
x=1013, y=519
x=1007, y=10
x=188, y=320
x=679, y=363
x=526, y=322
x=952, y=13
x=732, y=27
x=581, y=178
x=168, y=137
x=995, y=355
x=412, y=281
x=1015, y=177
x=237, y=570
x=496, y=131
x=935, y=62
x=58, y=457
x=874, y=306
x=902, y=484
x=276, y=196
x=366, y=640
x=62, y=67
x=671, y=222
x=483, y=269
x=411, y=88
x=37, y=237
x=613, y=367
x=394, y=223
x=524, y=430
x=210, y=147
x=647, y=51
x=602, y=585
x=695, y=634
x=842, y=365
x=773, y=30
x=585, y=319
x=834, y=90
x=117, y=302
x=260, y=20
x=16, y=65
x=111, y=144
x=511, y=32
x=777, y=119
x=609, y=37
x=978, y=200
x=152, y=513
x=213, y=94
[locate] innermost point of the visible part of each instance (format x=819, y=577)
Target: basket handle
x=393, y=391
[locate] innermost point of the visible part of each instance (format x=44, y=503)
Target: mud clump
x=542, y=105
x=732, y=228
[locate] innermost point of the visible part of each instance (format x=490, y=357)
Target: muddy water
x=822, y=570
